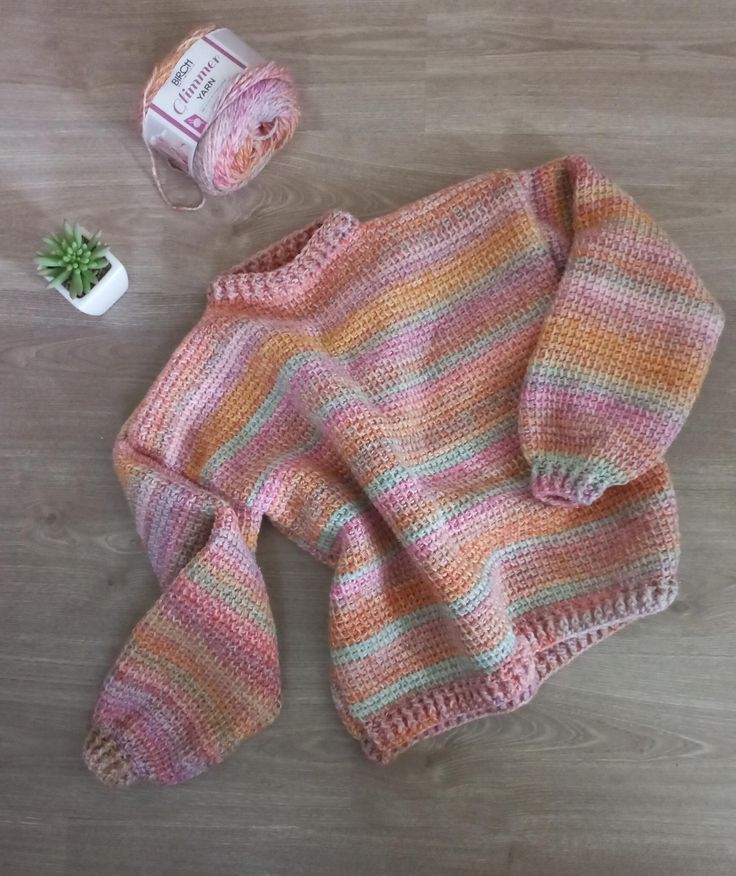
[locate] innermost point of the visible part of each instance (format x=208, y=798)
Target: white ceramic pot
x=104, y=294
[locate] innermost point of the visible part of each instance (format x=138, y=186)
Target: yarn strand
x=184, y=208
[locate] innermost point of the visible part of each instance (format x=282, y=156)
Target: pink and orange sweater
x=462, y=408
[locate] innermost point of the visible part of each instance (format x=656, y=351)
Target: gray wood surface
x=625, y=763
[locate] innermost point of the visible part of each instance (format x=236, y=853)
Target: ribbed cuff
x=556, y=484
x=106, y=760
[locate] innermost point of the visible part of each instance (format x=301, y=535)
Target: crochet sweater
x=462, y=408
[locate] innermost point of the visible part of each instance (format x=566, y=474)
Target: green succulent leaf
x=75, y=288
x=59, y=278
x=53, y=247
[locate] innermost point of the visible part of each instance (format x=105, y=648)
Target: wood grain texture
x=625, y=763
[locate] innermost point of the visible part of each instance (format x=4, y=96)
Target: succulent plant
x=73, y=260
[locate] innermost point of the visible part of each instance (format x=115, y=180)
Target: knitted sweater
x=462, y=408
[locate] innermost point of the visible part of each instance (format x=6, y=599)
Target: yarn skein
x=253, y=119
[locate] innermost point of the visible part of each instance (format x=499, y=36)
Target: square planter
x=103, y=294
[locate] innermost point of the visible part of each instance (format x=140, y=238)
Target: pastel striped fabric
x=462, y=408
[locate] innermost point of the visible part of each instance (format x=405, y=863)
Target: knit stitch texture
x=462, y=408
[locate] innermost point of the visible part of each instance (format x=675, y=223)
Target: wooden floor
x=625, y=763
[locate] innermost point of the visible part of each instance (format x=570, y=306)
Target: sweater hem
x=546, y=641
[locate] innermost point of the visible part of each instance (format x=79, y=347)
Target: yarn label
x=183, y=108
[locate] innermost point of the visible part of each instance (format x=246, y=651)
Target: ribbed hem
x=545, y=643
x=556, y=484
x=106, y=759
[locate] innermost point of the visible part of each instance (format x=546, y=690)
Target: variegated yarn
x=255, y=118
x=462, y=407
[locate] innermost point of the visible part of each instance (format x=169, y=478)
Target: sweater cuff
x=562, y=483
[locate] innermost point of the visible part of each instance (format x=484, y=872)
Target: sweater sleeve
x=625, y=344
x=200, y=671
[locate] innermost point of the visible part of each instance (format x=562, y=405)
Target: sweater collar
x=289, y=266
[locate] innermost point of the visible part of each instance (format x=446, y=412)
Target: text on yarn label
x=184, y=107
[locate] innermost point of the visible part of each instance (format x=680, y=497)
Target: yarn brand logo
x=181, y=72
x=196, y=122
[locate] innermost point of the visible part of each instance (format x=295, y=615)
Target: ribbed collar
x=289, y=267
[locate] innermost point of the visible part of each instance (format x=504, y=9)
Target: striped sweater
x=462, y=408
